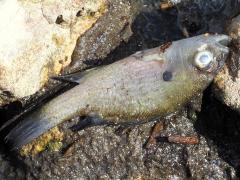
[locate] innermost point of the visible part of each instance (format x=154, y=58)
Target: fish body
x=145, y=85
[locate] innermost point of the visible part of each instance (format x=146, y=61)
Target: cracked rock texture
x=227, y=83
x=115, y=153
x=37, y=40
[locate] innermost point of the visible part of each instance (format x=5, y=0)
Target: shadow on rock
x=221, y=127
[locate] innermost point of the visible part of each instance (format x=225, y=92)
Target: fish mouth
x=223, y=41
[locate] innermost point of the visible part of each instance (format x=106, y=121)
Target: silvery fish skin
x=145, y=85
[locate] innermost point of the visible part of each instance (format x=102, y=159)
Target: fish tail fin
x=26, y=131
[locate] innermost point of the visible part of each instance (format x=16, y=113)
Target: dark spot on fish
x=59, y=19
x=165, y=46
x=167, y=76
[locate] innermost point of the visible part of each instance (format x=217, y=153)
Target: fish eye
x=203, y=60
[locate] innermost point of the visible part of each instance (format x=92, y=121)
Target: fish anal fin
x=89, y=121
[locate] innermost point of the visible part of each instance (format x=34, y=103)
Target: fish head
x=191, y=64
x=199, y=58
x=210, y=54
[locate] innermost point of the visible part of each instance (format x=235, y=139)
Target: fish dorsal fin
x=75, y=77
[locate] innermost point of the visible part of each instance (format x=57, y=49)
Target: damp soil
x=107, y=152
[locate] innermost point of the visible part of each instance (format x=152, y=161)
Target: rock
x=227, y=82
x=37, y=40
x=198, y=17
x=109, y=31
x=8, y=169
x=115, y=153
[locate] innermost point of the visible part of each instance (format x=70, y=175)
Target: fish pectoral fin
x=89, y=121
x=75, y=77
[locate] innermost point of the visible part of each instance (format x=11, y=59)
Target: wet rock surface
x=115, y=152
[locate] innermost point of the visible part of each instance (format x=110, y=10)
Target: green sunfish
x=148, y=84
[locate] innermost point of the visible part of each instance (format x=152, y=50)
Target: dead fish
x=139, y=88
